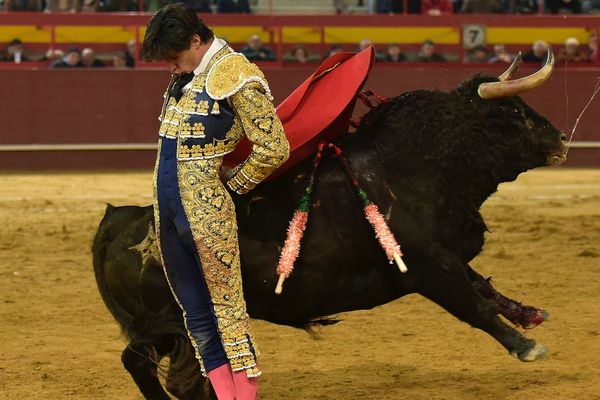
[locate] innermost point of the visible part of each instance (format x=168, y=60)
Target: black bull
x=428, y=159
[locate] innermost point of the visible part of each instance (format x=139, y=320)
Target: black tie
x=177, y=89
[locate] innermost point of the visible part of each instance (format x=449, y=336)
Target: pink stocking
x=245, y=388
x=221, y=380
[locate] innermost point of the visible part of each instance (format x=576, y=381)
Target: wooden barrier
x=117, y=108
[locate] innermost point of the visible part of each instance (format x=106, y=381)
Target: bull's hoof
x=532, y=317
x=531, y=354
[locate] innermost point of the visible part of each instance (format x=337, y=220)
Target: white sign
x=473, y=35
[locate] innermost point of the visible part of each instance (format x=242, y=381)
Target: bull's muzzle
x=560, y=156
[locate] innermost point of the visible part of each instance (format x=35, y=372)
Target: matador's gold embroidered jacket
x=227, y=101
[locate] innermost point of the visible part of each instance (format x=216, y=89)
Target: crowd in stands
x=71, y=58
x=202, y=6
x=441, y=7
x=429, y=7
x=255, y=50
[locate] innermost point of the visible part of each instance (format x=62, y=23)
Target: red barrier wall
x=121, y=106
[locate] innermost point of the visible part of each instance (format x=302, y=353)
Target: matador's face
x=187, y=60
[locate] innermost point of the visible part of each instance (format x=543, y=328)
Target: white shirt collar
x=216, y=45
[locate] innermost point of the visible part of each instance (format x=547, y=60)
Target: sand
x=57, y=341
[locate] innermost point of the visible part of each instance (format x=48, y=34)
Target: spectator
x=299, y=54
x=63, y=6
x=124, y=5
x=25, y=5
x=590, y=6
x=571, y=52
x=397, y=6
x=379, y=7
x=340, y=6
x=334, y=49
x=537, y=53
x=563, y=6
x=394, y=54
x=153, y=5
x=233, y=6
x=593, y=48
x=119, y=61
x=428, y=54
x=88, y=6
x=71, y=59
x=255, y=51
x=129, y=54
x=89, y=60
x=201, y=6
x=457, y=5
x=366, y=43
x=477, y=55
x=53, y=55
x=519, y=6
x=14, y=52
x=501, y=56
x=436, y=7
x=481, y=6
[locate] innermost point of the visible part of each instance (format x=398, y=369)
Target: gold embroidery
x=195, y=130
x=167, y=119
x=264, y=124
x=157, y=229
x=264, y=129
x=215, y=108
x=211, y=214
x=230, y=74
x=202, y=107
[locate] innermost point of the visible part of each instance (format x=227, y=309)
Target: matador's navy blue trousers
x=182, y=263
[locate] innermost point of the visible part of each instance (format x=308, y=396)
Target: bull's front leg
x=450, y=287
x=527, y=317
x=184, y=379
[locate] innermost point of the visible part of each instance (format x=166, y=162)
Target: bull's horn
x=497, y=90
x=507, y=75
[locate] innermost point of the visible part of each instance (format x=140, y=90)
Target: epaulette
x=229, y=75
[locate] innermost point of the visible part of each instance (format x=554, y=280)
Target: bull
x=429, y=159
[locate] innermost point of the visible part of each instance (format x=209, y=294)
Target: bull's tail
x=99, y=246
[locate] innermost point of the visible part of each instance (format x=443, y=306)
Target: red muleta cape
x=319, y=109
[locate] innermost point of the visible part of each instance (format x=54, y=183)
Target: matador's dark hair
x=170, y=31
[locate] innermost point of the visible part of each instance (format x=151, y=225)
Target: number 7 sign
x=473, y=35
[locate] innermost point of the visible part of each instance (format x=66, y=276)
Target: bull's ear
x=469, y=89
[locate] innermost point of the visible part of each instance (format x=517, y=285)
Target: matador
x=215, y=98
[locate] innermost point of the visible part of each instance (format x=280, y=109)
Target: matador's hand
x=225, y=173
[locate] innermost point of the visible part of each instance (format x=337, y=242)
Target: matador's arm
x=263, y=128
x=244, y=86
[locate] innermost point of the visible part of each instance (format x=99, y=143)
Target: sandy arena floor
x=57, y=341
